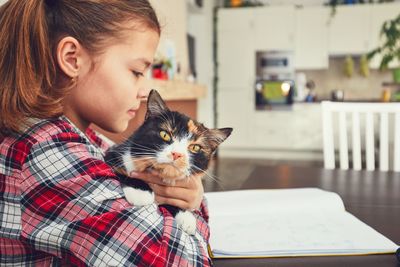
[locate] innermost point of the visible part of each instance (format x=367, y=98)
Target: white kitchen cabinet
x=236, y=59
x=235, y=19
x=274, y=28
x=379, y=14
x=234, y=111
x=295, y=133
x=311, y=38
x=235, y=52
x=296, y=129
x=349, y=30
x=272, y=129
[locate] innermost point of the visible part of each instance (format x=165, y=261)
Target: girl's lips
x=132, y=112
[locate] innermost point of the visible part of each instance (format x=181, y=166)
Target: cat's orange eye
x=195, y=148
x=165, y=136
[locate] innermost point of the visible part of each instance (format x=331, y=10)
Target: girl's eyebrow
x=144, y=61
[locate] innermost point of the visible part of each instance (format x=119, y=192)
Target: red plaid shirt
x=60, y=204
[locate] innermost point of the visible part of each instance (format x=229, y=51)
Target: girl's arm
x=73, y=207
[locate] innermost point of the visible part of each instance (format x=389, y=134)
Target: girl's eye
x=165, y=136
x=137, y=74
x=195, y=148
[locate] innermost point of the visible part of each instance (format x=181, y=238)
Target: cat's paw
x=138, y=197
x=186, y=221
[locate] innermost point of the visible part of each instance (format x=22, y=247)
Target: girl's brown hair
x=29, y=33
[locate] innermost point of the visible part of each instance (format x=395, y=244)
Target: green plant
x=390, y=48
x=334, y=3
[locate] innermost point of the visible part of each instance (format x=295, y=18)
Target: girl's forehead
x=135, y=46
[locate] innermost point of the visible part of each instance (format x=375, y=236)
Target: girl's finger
x=191, y=182
x=174, y=202
x=170, y=191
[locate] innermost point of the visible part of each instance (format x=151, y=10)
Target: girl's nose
x=143, y=93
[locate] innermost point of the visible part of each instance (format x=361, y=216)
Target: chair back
x=385, y=116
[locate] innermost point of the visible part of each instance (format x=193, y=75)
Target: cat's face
x=172, y=143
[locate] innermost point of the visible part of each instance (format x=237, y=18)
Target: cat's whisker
x=144, y=158
x=140, y=146
x=117, y=166
x=212, y=177
x=124, y=137
x=122, y=151
x=130, y=141
x=208, y=174
x=121, y=155
x=139, y=153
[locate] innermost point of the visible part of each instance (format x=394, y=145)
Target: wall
x=200, y=25
x=172, y=15
x=355, y=88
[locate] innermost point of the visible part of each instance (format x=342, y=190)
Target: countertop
x=178, y=90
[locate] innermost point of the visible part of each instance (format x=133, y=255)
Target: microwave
x=273, y=93
x=275, y=65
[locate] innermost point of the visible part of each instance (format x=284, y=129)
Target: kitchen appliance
x=274, y=65
x=275, y=77
x=274, y=92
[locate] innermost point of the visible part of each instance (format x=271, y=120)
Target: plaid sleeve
x=203, y=210
x=73, y=207
x=100, y=140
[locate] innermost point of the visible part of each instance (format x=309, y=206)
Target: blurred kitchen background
x=267, y=65
x=264, y=66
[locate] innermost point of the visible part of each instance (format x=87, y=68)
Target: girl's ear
x=70, y=55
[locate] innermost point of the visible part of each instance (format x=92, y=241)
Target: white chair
x=389, y=122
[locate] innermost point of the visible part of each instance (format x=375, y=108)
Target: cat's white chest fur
x=128, y=162
x=135, y=196
x=138, y=197
x=185, y=219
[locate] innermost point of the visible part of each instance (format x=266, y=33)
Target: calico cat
x=170, y=143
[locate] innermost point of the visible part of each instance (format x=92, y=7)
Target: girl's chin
x=118, y=127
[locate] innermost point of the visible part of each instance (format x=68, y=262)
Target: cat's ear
x=155, y=104
x=217, y=136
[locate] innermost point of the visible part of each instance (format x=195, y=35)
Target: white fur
x=178, y=146
x=128, y=162
x=186, y=221
x=138, y=197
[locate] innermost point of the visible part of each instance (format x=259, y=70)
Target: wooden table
x=373, y=197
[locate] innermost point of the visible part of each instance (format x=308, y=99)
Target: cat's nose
x=176, y=155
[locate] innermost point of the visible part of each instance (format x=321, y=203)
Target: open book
x=288, y=222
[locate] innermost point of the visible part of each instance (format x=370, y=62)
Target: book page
x=272, y=200
x=295, y=227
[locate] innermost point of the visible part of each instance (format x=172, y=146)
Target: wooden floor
x=229, y=173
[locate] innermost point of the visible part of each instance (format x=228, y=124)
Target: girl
x=65, y=64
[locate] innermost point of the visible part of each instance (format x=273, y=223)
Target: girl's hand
x=186, y=194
